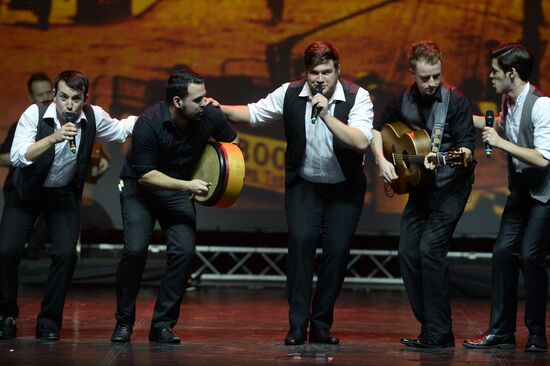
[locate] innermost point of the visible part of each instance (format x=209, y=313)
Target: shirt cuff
x=19, y=160
x=142, y=170
x=545, y=153
x=252, y=111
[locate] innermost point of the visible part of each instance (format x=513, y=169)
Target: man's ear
x=411, y=71
x=85, y=98
x=176, y=101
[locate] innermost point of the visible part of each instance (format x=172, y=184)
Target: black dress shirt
x=458, y=123
x=158, y=145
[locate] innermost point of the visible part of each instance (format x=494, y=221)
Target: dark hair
x=39, y=76
x=424, y=51
x=513, y=56
x=74, y=80
x=178, y=84
x=320, y=52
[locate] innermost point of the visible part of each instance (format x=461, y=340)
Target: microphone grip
x=71, y=117
x=72, y=145
x=315, y=112
x=489, y=121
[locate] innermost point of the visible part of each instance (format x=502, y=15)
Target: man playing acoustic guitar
x=436, y=203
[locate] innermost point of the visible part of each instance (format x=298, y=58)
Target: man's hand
x=214, y=102
x=103, y=166
x=66, y=132
x=386, y=170
x=319, y=101
x=199, y=187
x=427, y=164
x=490, y=136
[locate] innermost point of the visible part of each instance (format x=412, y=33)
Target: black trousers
x=427, y=225
x=141, y=208
x=61, y=210
x=325, y=215
x=522, y=242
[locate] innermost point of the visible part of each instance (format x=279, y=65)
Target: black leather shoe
x=295, y=336
x=121, y=333
x=429, y=342
x=491, y=340
x=8, y=329
x=163, y=335
x=411, y=342
x=322, y=336
x=536, y=343
x=46, y=333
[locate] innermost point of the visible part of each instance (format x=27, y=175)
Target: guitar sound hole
x=406, y=160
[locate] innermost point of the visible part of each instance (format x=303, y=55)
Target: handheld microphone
x=71, y=117
x=317, y=110
x=489, y=120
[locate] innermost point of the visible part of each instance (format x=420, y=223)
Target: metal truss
x=257, y=264
x=264, y=264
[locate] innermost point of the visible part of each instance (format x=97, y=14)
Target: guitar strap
x=437, y=118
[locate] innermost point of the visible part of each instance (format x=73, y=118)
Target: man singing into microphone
x=523, y=238
x=48, y=179
x=327, y=133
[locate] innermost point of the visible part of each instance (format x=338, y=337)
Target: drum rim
x=220, y=188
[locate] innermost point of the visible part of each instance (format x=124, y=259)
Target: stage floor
x=246, y=326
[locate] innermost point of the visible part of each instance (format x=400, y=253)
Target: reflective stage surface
x=246, y=326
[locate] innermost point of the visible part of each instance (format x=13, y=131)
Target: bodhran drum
x=222, y=165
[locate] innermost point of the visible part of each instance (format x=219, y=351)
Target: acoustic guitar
x=406, y=150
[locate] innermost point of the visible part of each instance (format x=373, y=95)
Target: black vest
x=536, y=179
x=294, y=110
x=29, y=180
x=411, y=113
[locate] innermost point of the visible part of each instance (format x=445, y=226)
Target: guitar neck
x=439, y=159
x=413, y=159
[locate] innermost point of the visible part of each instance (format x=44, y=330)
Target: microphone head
x=318, y=89
x=69, y=117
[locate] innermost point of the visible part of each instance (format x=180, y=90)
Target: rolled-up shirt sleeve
x=25, y=136
x=540, y=115
x=361, y=114
x=112, y=129
x=269, y=109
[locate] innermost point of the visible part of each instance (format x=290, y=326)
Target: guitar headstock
x=452, y=158
x=456, y=159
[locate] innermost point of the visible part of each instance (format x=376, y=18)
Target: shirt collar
x=165, y=110
x=338, y=94
x=521, y=97
x=51, y=112
x=437, y=95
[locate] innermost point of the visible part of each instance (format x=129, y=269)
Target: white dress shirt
x=64, y=164
x=320, y=164
x=540, y=115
